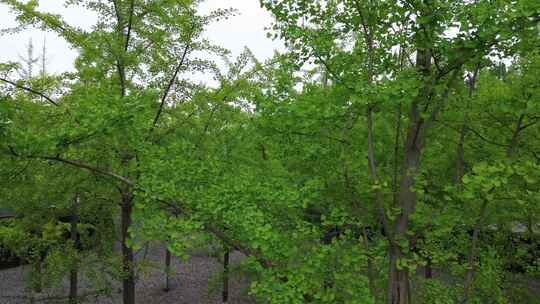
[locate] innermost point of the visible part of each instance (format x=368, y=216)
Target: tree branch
x=170, y=84
x=91, y=169
x=76, y=164
x=130, y=24
x=178, y=209
x=525, y=126
x=480, y=136
x=119, y=61
x=28, y=89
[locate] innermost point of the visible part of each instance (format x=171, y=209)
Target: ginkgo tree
x=400, y=64
x=387, y=139
x=116, y=103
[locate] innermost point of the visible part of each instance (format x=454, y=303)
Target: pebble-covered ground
x=192, y=282
x=195, y=281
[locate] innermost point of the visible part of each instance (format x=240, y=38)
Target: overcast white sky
x=245, y=29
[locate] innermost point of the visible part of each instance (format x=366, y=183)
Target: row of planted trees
x=389, y=156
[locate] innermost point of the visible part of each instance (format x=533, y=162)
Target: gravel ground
x=193, y=281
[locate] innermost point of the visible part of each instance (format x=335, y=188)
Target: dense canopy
x=389, y=155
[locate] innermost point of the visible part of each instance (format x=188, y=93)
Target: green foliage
x=362, y=142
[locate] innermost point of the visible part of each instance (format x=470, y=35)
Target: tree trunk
x=398, y=281
x=460, y=164
x=469, y=275
x=225, y=295
x=167, y=269
x=428, y=270
x=73, y=277
x=515, y=137
x=73, y=286
x=39, y=269
x=370, y=268
x=127, y=252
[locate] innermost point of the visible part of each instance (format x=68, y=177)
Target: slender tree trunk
x=145, y=254
x=460, y=164
x=127, y=252
x=39, y=269
x=393, y=275
x=73, y=277
x=349, y=190
x=127, y=195
x=469, y=275
x=167, y=269
x=73, y=286
x=396, y=151
x=225, y=294
x=370, y=268
x=515, y=137
x=428, y=271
